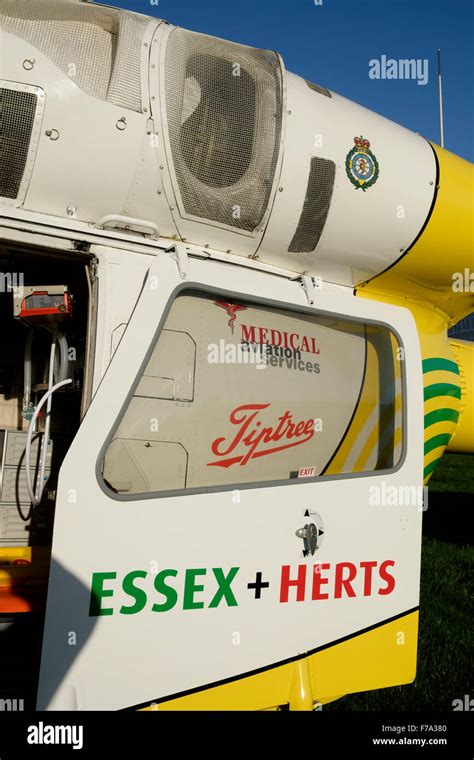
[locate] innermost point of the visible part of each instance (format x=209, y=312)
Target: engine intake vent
x=224, y=115
x=318, y=88
x=316, y=206
x=98, y=48
x=17, y=117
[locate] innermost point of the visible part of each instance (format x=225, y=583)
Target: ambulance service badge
x=362, y=167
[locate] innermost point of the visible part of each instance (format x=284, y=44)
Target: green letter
x=190, y=589
x=138, y=594
x=97, y=592
x=168, y=591
x=224, y=589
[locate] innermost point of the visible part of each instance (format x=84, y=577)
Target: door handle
x=311, y=535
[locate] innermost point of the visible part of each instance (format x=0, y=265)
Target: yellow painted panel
x=463, y=438
x=432, y=325
x=258, y=692
x=362, y=435
x=385, y=656
x=432, y=268
x=36, y=569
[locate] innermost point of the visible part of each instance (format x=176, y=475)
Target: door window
x=236, y=393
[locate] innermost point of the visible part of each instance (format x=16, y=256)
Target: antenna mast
x=440, y=93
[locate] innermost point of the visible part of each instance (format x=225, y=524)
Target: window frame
x=195, y=286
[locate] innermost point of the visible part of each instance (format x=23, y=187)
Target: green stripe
x=430, y=365
x=441, y=415
x=430, y=467
x=436, y=441
x=442, y=389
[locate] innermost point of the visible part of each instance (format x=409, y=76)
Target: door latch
x=311, y=534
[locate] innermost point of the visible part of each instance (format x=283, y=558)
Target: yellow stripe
x=440, y=376
x=392, y=445
x=447, y=402
x=371, y=440
x=367, y=404
x=384, y=656
x=432, y=455
x=439, y=428
x=369, y=444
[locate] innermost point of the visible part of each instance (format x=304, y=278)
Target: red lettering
x=304, y=344
x=278, y=338
x=299, y=429
x=237, y=421
x=345, y=573
x=285, y=584
x=251, y=435
x=368, y=567
x=340, y=582
x=318, y=581
x=274, y=335
x=279, y=432
x=390, y=580
x=264, y=435
x=293, y=336
x=248, y=334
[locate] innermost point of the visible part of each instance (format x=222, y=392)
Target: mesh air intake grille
x=98, y=48
x=316, y=206
x=224, y=113
x=17, y=115
x=125, y=85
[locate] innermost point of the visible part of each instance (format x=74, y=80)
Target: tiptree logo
x=250, y=439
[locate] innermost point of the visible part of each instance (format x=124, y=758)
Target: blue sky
x=332, y=44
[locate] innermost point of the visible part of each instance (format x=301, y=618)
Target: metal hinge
x=310, y=286
x=179, y=253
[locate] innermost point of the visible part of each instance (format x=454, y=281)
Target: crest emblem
x=362, y=168
x=231, y=309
